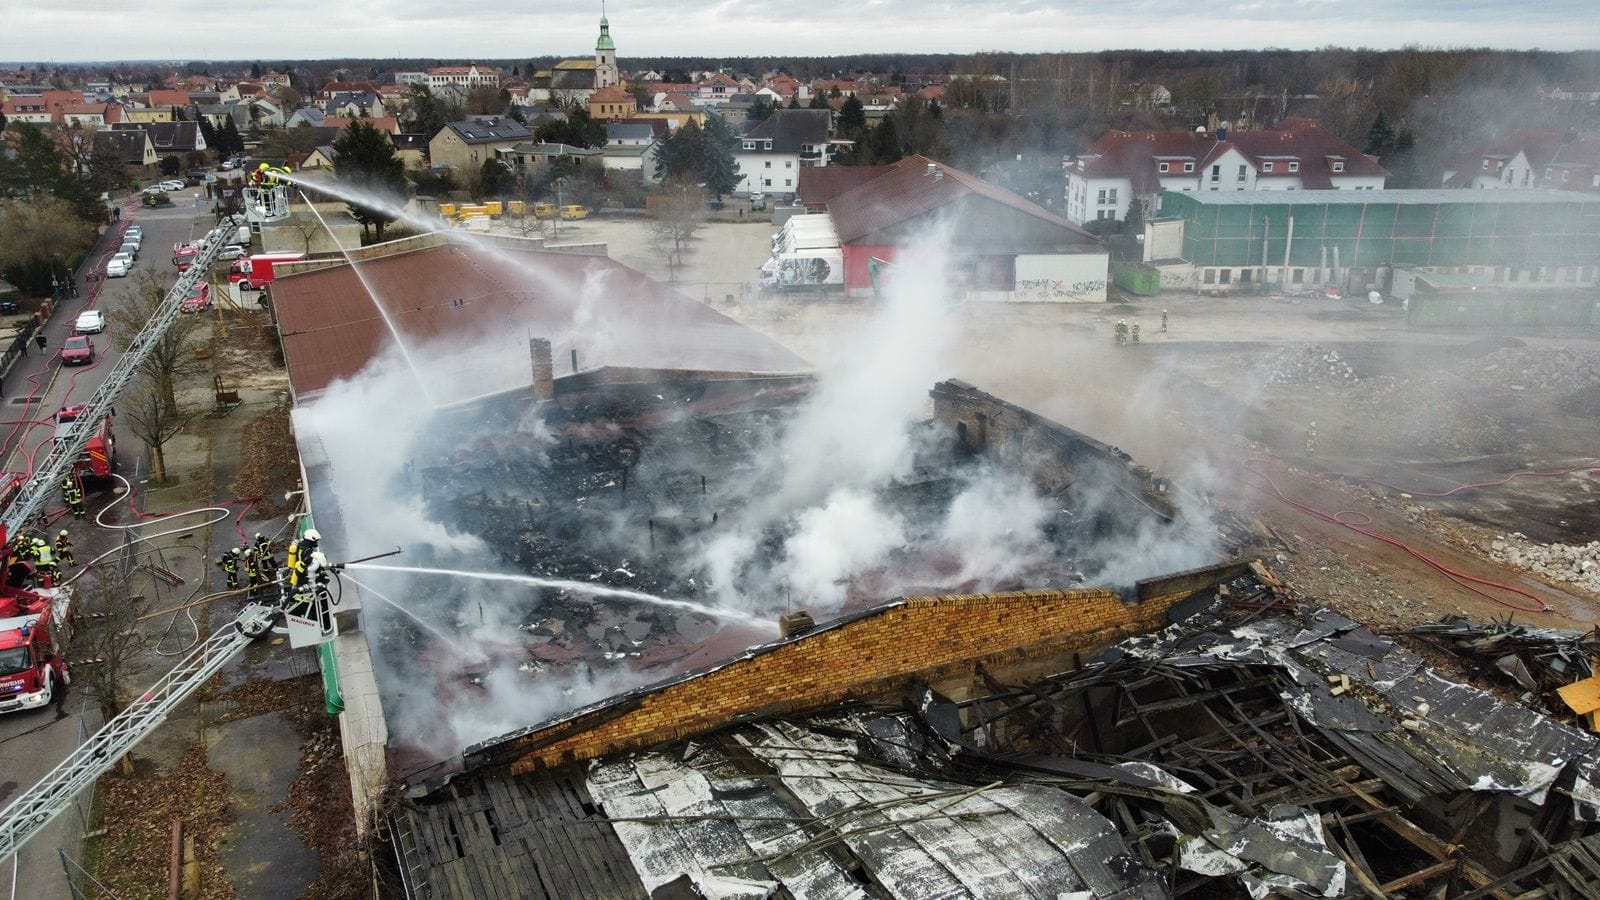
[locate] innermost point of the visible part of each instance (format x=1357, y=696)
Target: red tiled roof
x=385, y=124
x=1135, y=155
x=611, y=95
x=906, y=191
x=820, y=184
x=349, y=87
x=169, y=98
x=611, y=314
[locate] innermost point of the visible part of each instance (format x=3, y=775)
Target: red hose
x=1348, y=519
x=1483, y=484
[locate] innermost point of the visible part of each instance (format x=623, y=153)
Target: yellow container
x=574, y=211
x=517, y=208
x=543, y=210
x=495, y=208
x=447, y=210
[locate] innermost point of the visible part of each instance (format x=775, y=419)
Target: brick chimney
x=544, y=369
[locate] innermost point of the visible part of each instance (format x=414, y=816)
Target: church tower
x=605, y=57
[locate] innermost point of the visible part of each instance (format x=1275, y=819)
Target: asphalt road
x=34, y=742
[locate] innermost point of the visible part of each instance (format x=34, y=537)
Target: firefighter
x=1163, y=321
x=266, y=567
x=246, y=558
x=74, y=498
x=45, y=560
x=1311, y=439
x=1120, y=333
x=64, y=549
x=230, y=567
x=1136, y=332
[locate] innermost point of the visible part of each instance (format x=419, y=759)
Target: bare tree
x=145, y=411
x=680, y=211
x=105, y=646
x=172, y=356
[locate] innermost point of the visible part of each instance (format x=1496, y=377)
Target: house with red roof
x=1297, y=154
x=1556, y=160
x=1005, y=247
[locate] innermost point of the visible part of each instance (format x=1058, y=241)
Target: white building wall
x=769, y=173
x=1057, y=278
x=1089, y=199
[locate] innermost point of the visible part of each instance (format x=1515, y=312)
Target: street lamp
x=556, y=222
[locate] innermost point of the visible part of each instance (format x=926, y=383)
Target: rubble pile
x=1577, y=564
x=1551, y=370
x=1308, y=364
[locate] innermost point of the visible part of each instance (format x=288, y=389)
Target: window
x=766, y=182
x=1224, y=276
x=788, y=164
x=788, y=182
x=768, y=163
x=1294, y=167
x=1102, y=197
x=1299, y=276
x=1161, y=167
x=749, y=145
x=1245, y=275
x=1564, y=174
x=1188, y=167
x=1112, y=197
x=1216, y=173
x=1486, y=165
x=1547, y=171
x=1338, y=165
x=1242, y=169
x=1210, y=277
x=1266, y=167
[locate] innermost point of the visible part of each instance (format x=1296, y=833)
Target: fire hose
x=1523, y=473
x=1359, y=522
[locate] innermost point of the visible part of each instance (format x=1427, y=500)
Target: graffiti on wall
x=1060, y=289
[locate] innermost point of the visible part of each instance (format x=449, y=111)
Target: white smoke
x=995, y=526
x=845, y=536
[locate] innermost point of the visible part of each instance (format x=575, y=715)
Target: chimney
x=544, y=369
x=1222, y=131
x=932, y=169
x=794, y=624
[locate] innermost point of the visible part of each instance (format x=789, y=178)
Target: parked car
x=133, y=232
x=573, y=211
x=130, y=248
x=90, y=321
x=154, y=189
x=77, y=351
x=118, y=267
x=199, y=298
x=136, y=238
x=233, y=251
x=173, y=185
x=758, y=201
x=714, y=203
x=125, y=257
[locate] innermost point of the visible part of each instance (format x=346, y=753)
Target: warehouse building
x=1517, y=240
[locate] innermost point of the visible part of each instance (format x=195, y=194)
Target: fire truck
x=183, y=254
x=255, y=272
x=99, y=456
x=31, y=664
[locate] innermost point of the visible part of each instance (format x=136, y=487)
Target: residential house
x=464, y=146
x=218, y=114
x=89, y=115
x=266, y=112
x=828, y=87
x=134, y=111
x=632, y=146
x=736, y=110
x=412, y=149
x=612, y=103
x=1124, y=167
x=407, y=79
x=172, y=99
x=275, y=79
x=524, y=156
x=169, y=138
x=1557, y=160
x=352, y=105
x=772, y=152
x=320, y=158
x=308, y=116
x=26, y=109
x=334, y=88
x=718, y=88
x=132, y=148
x=387, y=124
x=674, y=102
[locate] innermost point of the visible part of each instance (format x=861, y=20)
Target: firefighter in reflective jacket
x=230, y=567
x=64, y=549
x=44, y=559
x=74, y=497
x=266, y=567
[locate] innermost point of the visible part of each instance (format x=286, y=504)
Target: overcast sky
x=72, y=30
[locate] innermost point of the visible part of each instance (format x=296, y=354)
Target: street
x=36, y=741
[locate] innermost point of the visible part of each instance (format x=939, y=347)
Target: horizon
x=410, y=29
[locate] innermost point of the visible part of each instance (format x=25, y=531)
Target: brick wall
x=921, y=638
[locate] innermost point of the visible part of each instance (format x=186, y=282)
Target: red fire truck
x=31, y=664
x=255, y=272
x=99, y=455
x=183, y=254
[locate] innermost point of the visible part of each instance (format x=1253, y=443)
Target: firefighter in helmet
x=245, y=556
x=266, y=567
x=64, y=549
x=74, y=498
x=44, y=559
x=230, y=567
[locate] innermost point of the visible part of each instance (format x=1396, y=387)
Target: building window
x=1242, y=170
x=1294, y=167
x=1486, y=165
x=1188, y=167
x=788, y=164
x=1338, y=165
x=766, y=182
x=1299, y=276
x=1245, y=275
x=1102, y=197
x=1210, y=277
x=1564, y=174
x=1266, y=167
x=768, y=163
x=1224, y=276
x=788, y=182
x=1547, y=171
x=1112, y=197
x=1161, y=167
x=1216, y=173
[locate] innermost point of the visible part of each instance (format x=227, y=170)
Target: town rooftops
x=1136, y=155
x=490, y=129
x=790, y=129
x=629, y=131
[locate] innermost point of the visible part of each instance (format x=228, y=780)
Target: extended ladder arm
x=49, y=472
x=29, y=813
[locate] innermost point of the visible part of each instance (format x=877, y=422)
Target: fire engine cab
x=99, y=455
x=31, y=664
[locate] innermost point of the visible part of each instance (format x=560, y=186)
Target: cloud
x=514, y=29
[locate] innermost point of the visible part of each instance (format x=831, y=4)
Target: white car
x=173, y=185
x=154, y=189
x=136, y=238
x=232, y=251
x=125, y=257
x=117, y=268
x=90, y=321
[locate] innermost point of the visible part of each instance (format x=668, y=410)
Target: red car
x=199, y=298
x=77, y=351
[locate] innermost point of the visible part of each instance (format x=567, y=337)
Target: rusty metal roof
x=470, y=310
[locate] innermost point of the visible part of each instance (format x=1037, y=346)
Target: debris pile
x=1537, y=660
x=1555, y=371
x=1308, y=364
x=1577, y=564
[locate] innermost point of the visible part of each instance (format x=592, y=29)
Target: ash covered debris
x=1252, y=749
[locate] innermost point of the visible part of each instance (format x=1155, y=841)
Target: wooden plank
x=1420, y=876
